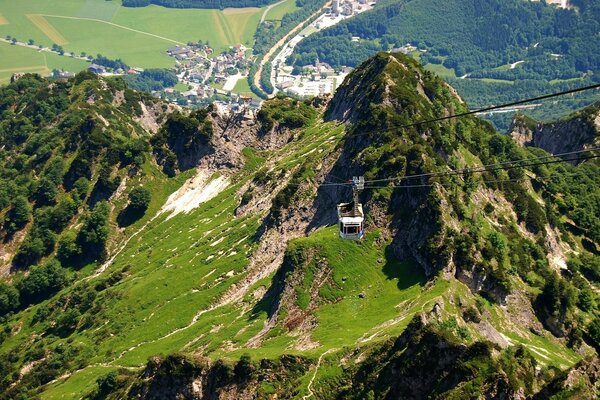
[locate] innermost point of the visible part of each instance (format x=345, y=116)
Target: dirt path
x=281, y=41
x=117, y=25
x=309, y=387
x=264, y=15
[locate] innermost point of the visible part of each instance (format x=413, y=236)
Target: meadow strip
x=118, y=26
x=47, y=29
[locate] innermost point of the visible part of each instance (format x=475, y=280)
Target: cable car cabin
x=351, y=218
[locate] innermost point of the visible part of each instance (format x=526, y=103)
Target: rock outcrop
x=578, y=131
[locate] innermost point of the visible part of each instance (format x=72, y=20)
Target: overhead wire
x=496, y=166
x=465, y=171
x=524, y=178
x=486, y=109
x=505, y=165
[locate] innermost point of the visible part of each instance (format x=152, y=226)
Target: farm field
x=277, y=12
x=21, y=59
x=242, y=87
x=139, y=36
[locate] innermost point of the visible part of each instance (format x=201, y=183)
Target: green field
x=242, y=87
x=276, y=13
x=139, y=36
x=440, y=70
x=21, y=59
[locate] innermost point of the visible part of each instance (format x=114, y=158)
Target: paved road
x=282, y=41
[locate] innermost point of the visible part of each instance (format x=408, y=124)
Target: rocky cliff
x=576, y=132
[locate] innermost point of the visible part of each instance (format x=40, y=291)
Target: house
x=196, y=77
x=189, y=94
x=285, y=84
x=65, y=74
x=174, y=51
x=97, y=69
x=348, y=9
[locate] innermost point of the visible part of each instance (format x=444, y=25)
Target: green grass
x=139, y=36
x=571, y=80
x=22, y=59
x=491, y=80
x=78, y=384
x=181, y=87
x=309, y=30
x=363, y=268
x=440, y=70
x=276, y=13
x=242, y=87
x=94, y=37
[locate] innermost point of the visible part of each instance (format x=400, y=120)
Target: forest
x=220, y=4
x=41, y=132
x=469, y=36
x=472, y=39
x=151, y=79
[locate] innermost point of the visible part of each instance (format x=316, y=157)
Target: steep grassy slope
x=236, y=285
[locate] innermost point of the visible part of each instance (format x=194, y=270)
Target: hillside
x=197, y=3
x=493, y=51
x=575, y=132
x=222, y=275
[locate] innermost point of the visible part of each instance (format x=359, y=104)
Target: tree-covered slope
x=236, y=285
x=504, y=50
x=197, y=3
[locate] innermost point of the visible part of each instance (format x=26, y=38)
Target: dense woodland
x=197, y=3
x=152, y=79
x=472, y=37
x=58, y=165
x=477, y=39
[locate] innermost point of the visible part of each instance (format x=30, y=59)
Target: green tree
x=585, y=300
x=42, y=282
x=46, y=191
x=9, y=298
x=244, y=368
x=94, y=231
x=81, y=187
x=19, y=215
x=68, y=248
x=139, y=198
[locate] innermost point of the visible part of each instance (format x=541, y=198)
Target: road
x=281, y=41
x=46, y=49
x=116, y=25
x=264, y=15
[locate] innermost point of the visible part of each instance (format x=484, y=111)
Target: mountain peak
x=394, y=83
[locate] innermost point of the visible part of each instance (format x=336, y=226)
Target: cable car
x=350, y=215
